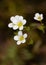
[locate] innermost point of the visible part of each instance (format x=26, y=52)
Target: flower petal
x=41, y=16
x=16, y=37
x=24, y=22
x=17, y=17
x=18, y=42
x=20, y=17
x=35, y=18
x=20, y=33
x=21, y=28
x=25, y=35
x=37, y=15
x=15, y=27
x=10, y=25
x=24, y=41
x=13, y=19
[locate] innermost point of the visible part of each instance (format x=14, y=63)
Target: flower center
x=21, y=38
x=19, y=24
x=39, y=18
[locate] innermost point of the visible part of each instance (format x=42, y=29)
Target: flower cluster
x=18, y=22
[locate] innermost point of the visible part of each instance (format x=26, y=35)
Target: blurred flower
x=17, y=22
x=20, y=38
x=38, y=17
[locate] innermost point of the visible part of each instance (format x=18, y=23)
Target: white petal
x=25, y=35
x=24, y=41
x=21, y=28
x=37, y=15
x=13, y=19
x=20, y=33
x=20, y=17
x=10, y=25
x=41, y=16
x=35, y=18
x=24, y=22
x=15, y=27
x=17, y=17
x=16, y=37
x=18, y=42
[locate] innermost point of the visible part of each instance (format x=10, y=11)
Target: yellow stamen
x=39, y=18
x=21, y=38
x=19, y=24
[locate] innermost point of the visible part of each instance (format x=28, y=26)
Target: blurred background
x=33, y=52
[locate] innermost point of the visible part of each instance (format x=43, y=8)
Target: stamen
x=21, y=38
x=19, y=24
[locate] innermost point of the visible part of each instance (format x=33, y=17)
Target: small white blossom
x=17, y=22
x=20, y=38
x=38, y=17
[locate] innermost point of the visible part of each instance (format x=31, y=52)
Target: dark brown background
x=10, y=53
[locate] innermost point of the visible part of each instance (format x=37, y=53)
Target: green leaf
x=41, y=27
x=11, y=51
x=27, y=28
x=31, y=41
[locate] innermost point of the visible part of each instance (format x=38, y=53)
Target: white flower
x=38, y=17
x=17, y=22
x=20, y=38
